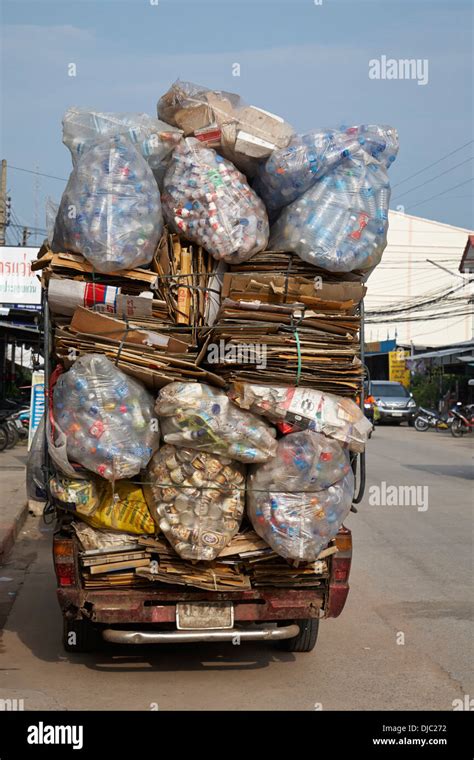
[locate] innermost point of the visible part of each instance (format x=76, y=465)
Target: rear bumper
x=150, y=606
x=185, y=637
x=396, y=414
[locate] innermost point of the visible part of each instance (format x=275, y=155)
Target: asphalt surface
x=403, y=641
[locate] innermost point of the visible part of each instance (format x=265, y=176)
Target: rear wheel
x=306, y=640
x=80, y=636
x=13, y=436
x=3, y=438
x=457, y=428
x=421, y=425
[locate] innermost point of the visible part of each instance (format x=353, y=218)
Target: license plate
x=200, y=615
x=397, y=414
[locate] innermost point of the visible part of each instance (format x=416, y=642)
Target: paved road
x=411, y=582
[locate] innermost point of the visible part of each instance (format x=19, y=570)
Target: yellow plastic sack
x=97, y=502
x=122, y=508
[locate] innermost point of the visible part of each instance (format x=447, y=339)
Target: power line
x=443, y=193
x=16, y=226
x=433, y=164
x=41, y=174
x=31, y=229
x=433, y=178
x=416, y=303
x=422, y=318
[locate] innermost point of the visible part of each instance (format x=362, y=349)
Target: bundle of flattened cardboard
x=289, y=329
x=245, y=563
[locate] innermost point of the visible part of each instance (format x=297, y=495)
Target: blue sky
x=305, y=61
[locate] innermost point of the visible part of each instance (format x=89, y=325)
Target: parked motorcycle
x=14, y=424
x=463, y=420
x=24, y=418
x=430, y=418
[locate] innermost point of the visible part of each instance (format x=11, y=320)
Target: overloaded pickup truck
x=169, y=614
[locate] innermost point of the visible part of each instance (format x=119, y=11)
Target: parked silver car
x=394, y=402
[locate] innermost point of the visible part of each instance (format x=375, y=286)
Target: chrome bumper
x=184, y=637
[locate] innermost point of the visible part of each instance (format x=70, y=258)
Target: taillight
x=341, y=561
x=63, y=554
x=344, y=542
x=63, y=550
x=341, y=568
x=66, y=575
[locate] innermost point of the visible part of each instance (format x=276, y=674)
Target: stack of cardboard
x=289, y=265
x=190, y=280
x=248, y=562
x=298, y=331
x=146, y=321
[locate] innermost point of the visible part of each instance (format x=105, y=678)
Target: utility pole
x=3, y=202
x=25, y=236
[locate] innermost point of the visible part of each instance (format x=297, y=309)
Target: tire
x=87, y=638
x=13, y=436
x=3, y=438
x=306, y=640
x=421, y=425
x=457, y=429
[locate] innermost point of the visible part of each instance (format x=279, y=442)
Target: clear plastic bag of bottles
x=290, y=171
x=244, y=134
x=110, y=210
x=292, y=409
x=155, y=140
x=107, y=418
x=208, y=201
x=198, y=499
x=202, y=417
x=298, y=500
x=340, y=223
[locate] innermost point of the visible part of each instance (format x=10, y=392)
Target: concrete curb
x=9, y=530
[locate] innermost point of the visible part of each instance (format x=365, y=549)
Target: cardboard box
x=90, y=322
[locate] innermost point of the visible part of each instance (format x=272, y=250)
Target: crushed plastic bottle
x=110, y=210
x=107, y=417
x=208, y=201
x=298, y=500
